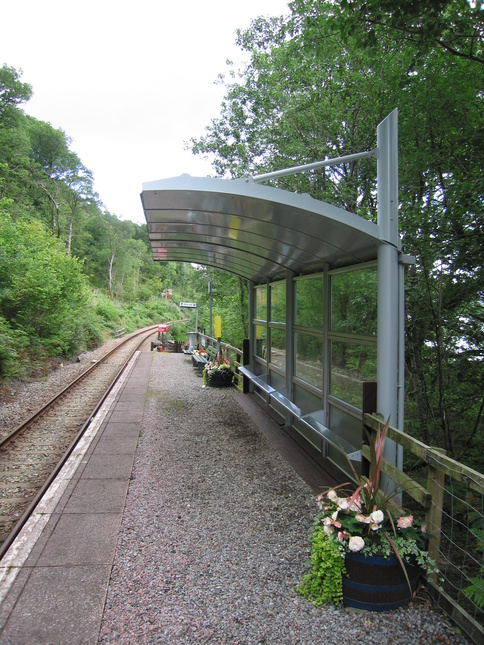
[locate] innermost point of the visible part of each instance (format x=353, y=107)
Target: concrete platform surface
x=54, y=578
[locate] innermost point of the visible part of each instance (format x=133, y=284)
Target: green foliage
x=316, y=86
x=13, y=344
x=12, y=91
x=43, y=292
x=178, y=331
x=475, y=590
x=324, y=583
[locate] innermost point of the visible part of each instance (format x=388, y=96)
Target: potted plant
x=217, y=373
x=366, y=550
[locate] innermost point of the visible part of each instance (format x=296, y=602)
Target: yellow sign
x=217, y=323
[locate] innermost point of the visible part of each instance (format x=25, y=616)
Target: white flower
x=355, y=505
x=377, y=517
x=328, y=529
x=332, y=495
x=342, y=503
x=405, y=522
x=356, y=543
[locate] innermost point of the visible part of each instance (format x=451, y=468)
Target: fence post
x=435, y=486
x=246, y=361
x=368, y=407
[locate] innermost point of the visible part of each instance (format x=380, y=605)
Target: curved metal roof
x=254, y=231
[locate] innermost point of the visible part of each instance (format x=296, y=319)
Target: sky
x=129, y=83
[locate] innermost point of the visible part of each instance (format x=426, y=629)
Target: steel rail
x=7, y=543
x=38, y=413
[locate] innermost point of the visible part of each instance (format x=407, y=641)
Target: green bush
x=13, y=344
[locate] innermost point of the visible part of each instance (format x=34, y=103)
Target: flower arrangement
x=217, y=370
x=363, y=520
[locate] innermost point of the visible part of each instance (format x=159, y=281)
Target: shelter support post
x=388, y=275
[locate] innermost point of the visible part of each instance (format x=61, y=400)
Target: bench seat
x=198, y=361
x=313, y=420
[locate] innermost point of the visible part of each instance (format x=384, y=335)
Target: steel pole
x=388, y=275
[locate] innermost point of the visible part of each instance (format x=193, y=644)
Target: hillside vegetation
x=316, y=84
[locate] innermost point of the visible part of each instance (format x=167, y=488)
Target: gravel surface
x=215, y=536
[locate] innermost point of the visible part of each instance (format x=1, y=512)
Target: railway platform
x=54, y=578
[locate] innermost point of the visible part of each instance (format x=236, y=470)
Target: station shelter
x=326, y=295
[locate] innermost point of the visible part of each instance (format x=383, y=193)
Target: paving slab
x=54, y=578
x=46, y=616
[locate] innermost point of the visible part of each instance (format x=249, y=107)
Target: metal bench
x=313, y=420
x=198, y=361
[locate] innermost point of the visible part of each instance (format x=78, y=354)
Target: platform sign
x=188, y=305
x=218, y=326
x=162, y=328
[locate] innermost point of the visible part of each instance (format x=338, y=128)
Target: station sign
x=162, y=328
x=188, y=305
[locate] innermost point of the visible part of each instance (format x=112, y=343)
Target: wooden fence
x=451, y=496
x=452, y=500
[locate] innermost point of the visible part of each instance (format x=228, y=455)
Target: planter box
x=377, y=584
x=221, y=379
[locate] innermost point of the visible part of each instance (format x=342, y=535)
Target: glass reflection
x=309, y=359
x=278, y=348
x=261, y=303
x=354, y=301
x=278, y=302
x=309, y=302
x=351, y=366
x=261, y=341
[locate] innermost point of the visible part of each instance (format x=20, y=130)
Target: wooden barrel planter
x=221, y=378
x=377, y=584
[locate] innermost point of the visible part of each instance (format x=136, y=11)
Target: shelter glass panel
x=261, y=303
x=277, y=381
x=278, y=348
x=261, y=341
x=351, y=365
x=309, y=352
x=309, y=302
x=354, y=301
x=307, y=401
x=278, y=302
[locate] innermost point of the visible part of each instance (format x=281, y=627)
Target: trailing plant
x=365, y=520
x=324, y=583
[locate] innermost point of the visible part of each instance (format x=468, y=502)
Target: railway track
x=32, y=454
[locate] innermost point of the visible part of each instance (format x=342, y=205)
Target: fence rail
x=452, y=497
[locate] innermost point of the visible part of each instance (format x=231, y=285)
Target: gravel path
x=215, y=536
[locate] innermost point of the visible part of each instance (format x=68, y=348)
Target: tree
x=43, y=291
x=313, y=88
x=12, y=91
x=455, y=26
x=50, y=165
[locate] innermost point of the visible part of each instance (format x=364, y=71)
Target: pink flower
x=424, y=528
x=340, y=536
x=362, y=518
x=405, y=522
x=356, y=543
